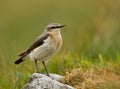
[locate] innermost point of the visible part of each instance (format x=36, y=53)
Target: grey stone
x=40, y=81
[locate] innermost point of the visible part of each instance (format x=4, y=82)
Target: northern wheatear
x=45, y=46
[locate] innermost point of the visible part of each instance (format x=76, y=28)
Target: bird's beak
x=61, y=26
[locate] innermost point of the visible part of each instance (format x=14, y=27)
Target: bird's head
x=54, y=27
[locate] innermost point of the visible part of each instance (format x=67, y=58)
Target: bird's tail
x=19, y=60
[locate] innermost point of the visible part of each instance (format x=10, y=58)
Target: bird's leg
x=36, y=66
x=45, y=68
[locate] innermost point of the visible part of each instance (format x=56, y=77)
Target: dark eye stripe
x=52, y=27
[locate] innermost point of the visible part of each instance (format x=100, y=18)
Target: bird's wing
x=39, y=41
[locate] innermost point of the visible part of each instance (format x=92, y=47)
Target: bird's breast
x=56, y=40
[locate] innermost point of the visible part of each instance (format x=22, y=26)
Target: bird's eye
x=53, y=27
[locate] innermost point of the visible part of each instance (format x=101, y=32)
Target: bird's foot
x=48, y=75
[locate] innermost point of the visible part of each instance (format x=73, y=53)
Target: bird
x=44, y=47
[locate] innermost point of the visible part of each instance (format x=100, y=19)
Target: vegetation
x=91, y=45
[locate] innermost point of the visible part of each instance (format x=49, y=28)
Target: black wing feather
x=36, y=44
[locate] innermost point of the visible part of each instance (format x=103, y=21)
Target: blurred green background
x=92, y=29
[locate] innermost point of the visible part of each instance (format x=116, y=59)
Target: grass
x=90, y=40
x=94, y=73
x=93, y=79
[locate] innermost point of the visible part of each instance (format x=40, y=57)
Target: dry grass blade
x=92, y=79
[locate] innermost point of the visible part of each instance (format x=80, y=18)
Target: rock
x=56, y=77
x=40, y=81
